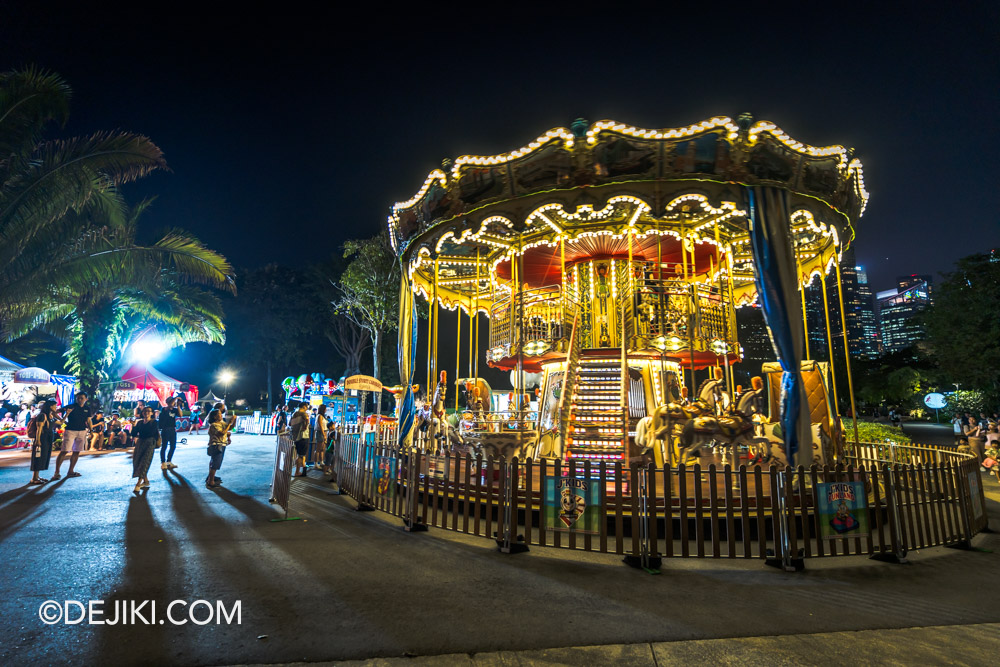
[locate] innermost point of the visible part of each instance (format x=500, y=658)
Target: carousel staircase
x=596, y=414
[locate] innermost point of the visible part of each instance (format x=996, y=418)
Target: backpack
x=33, y=429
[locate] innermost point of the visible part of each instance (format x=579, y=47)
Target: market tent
x=141, y=377
x=8, y=367
x=210, y=398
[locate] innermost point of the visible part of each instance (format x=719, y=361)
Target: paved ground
x=347, y=585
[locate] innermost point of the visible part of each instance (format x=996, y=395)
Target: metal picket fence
x=645, y=514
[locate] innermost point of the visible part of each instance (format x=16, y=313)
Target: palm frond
x=29, y=99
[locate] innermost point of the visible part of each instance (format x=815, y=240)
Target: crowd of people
x=82, y=426
x=314, y=433
x=982, y=436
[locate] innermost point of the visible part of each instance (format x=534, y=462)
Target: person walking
x=168, y=434
x=299, y=425
x=147, y=437
x=280, y=419
x=218, y=440
x=320, y=433
x=75, y=436
x=332, y=449
x=41, y=429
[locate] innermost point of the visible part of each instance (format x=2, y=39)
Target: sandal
x=56, y=476
x=36, y=482
x=74, y=474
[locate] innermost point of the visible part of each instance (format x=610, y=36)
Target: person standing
x=299, y=425
x=281, y=420
x=97, y=430
x=137, y=413
x=977, y=439
x=23, y=416
x=195, y=428
x=146, y=437
x=74, y=438
x=320, y=432
x=41, y=428
x=168, y=434
x=218, y=439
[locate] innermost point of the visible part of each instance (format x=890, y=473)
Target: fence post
x=363, y=492
x=413, y=523
x=644, y=559
x=891, y=499
x=786, y=561
x=965, y=505
x=505, y=542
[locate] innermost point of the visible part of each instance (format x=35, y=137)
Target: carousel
x=604, y=263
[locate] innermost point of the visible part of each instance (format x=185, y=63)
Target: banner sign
x=843, y=510
x=363, y=383
x=31, y=375
x=384, y=476
x=572, y=505
x=977, y=501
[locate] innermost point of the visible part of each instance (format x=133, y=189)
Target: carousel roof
x=585, y=190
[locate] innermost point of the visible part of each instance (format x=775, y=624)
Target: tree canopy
x=963, y=325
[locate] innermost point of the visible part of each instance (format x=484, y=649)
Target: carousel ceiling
x=586, y=192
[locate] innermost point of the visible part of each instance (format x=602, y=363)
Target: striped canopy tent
x=142, y=377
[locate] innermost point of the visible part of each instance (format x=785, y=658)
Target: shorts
x=302, y=447
x=74, y=441
x=216, y=454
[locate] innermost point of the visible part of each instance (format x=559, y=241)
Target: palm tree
x=106, y=290
x=43, y=181
x=69, y=260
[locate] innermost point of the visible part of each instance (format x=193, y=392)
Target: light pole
x=226, y=377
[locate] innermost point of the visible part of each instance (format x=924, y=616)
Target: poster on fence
x=437, y=467
x=384, y=474
x=843, y=510
x=977, y=501
x=572, y=504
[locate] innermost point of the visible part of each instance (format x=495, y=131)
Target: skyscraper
x=869, y=344
x=859, y=313
x=896, y=309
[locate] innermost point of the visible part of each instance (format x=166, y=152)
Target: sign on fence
x=843, y=510
x=572, y=504
x=384, y=476
x=977, y=501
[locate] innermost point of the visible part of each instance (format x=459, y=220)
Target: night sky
x=290, y=130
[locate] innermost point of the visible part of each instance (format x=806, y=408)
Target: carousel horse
x=706, y=423
x=441, y=435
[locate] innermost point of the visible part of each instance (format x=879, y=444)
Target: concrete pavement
x=346, y=585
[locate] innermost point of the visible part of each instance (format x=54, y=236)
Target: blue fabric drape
x=407, y=361
x=777, y=283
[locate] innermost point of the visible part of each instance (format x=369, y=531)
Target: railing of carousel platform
x=684, y=511
x=661, y=309
x=548, y=316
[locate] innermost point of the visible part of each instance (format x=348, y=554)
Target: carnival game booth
x=145, y=383
x=19, y=384
x=610, y=259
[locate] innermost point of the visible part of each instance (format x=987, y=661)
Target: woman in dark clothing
x=146, y=435
x=41, y=447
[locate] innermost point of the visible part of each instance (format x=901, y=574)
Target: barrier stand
x=281, y=480
x=645, y=559
x=503, y=536
x=899, y=547
x=786, y=562
x=411, y=522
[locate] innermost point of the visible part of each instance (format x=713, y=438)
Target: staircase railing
x=569, y=383
x=625, y=296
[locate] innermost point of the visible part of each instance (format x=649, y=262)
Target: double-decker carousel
x=608, y=261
